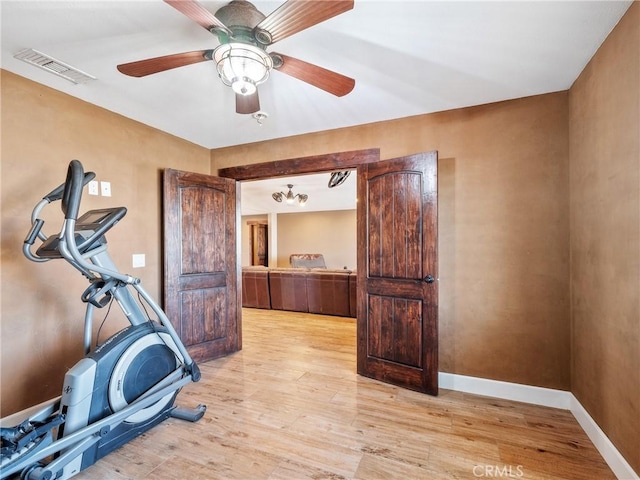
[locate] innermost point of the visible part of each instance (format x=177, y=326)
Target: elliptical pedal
x=189, y=414
x=15, y=439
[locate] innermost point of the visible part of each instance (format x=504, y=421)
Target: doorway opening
x=272, y=231
x=396, y=293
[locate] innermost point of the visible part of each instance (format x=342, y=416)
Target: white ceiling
x=407, y=57
x=256, y=196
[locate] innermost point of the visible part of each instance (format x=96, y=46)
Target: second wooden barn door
x=397, y=272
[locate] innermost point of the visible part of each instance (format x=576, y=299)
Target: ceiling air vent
x=54, y=66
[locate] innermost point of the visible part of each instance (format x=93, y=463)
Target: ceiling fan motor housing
x=241, y=17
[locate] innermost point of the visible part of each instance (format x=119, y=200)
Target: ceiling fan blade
x=197, y=13
x=294, y=16
x=327, y=80
x=247, y=103
x=142, y=68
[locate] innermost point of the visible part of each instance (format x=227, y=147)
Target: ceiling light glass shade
x=242, y=66
x=290, y=197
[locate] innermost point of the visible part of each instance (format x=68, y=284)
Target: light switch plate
x=93, y=187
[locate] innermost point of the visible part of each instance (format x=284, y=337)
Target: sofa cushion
x=328, y=293
x=288, y=290
x=307, y=260
x=255, y=288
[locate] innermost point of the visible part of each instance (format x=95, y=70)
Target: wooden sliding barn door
x=201, y=264
x=397, y=272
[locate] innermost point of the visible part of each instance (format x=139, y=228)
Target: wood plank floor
x=290, y=406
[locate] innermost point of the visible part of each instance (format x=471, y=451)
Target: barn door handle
x=429, y=279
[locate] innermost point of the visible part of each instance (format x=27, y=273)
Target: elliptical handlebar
x=71, y=197
x=56, y=193
x=72, y=193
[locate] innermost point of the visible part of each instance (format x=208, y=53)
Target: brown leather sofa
x=322, y=291
x=255, y=287
x=288, y=288
x=328, y=292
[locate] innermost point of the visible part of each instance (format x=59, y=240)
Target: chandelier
x=290, y=198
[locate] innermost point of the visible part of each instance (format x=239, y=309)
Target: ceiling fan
x=244, y=34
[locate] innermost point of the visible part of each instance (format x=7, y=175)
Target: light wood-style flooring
x=291, y=406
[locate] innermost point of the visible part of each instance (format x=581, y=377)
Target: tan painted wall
x=333, y=234
x=503, y=227
x=42, y=316
x=604, y=106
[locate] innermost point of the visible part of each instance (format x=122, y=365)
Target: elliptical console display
x=120, y=388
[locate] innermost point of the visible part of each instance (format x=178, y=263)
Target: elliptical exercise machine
x=119, y=389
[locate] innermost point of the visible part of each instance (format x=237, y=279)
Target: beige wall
x=604, y=106
x=333, y=234
x=503, y=228
x=42, y=316
x=505, y=171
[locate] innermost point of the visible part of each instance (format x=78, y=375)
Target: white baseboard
x=609, y=452
x=547, y=397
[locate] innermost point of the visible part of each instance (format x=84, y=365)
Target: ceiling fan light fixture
x=242, y=66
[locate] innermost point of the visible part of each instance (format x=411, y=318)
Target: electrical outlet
x=93, y=187
x=106, y=189
x=138, y=260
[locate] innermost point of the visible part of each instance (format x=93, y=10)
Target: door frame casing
x=300, y=166
x=349, y=160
